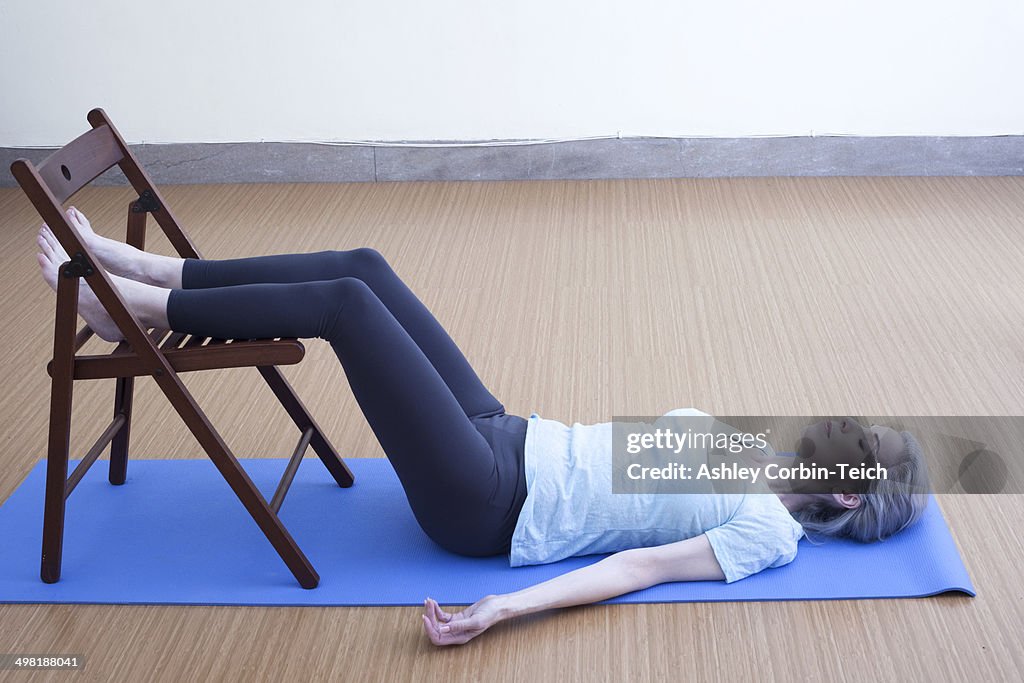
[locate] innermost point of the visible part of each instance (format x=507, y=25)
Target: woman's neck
x=794, y=501
x=782, y=487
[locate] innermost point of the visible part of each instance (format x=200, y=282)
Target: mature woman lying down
x=465, y=464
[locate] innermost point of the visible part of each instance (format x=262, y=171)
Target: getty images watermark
x=692, y=452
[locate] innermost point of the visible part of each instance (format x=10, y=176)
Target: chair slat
x=79, y=162
x=106, y=437
x=157, y=335
x=83, y=336
x=174, y=340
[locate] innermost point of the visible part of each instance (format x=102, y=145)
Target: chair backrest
x=79, y=162
x=67, y=171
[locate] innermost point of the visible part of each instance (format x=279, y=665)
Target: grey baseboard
x=286, y=162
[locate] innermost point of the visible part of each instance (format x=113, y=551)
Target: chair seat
x=187, y=353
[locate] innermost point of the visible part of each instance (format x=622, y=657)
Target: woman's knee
x=339, y=302
x=363, y=262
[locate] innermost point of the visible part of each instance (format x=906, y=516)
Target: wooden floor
x=580, y=301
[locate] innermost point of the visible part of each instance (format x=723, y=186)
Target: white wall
x=228, y=70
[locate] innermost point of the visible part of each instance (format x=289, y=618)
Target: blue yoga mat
x=174, y=533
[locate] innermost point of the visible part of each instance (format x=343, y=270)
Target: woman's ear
x=846, y=499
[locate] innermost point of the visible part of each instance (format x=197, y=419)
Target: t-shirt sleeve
x=753, y=540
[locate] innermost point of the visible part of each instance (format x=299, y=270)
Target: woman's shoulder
x=686, y=412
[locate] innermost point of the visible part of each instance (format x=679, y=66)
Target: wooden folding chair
x=159, y=353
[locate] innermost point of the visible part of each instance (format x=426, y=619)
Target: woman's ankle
x=165, y=271
x=148, y=302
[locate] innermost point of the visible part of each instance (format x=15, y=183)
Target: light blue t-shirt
x=570, y=509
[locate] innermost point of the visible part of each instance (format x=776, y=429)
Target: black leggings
x=458, y=455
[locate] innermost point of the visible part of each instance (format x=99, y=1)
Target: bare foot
x=117, y=257
x=89, y=307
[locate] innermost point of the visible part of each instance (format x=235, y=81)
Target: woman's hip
x=487, y=528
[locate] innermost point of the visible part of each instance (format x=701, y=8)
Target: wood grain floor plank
x=581, y=300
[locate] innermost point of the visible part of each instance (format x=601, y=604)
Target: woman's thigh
x=446, y=464
x=372, y=268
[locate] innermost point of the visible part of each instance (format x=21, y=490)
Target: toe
x=45, y=246
x=81, y=222
x=58, y=249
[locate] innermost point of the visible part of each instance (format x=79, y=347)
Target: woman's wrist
x=508, y=606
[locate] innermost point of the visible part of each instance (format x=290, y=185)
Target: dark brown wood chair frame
x=159, y=353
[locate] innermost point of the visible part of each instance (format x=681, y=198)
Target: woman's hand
x=623, y=572
x=455, y=629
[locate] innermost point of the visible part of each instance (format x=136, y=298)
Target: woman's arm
x=624, y=572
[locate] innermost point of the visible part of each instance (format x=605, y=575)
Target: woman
x=465, y=464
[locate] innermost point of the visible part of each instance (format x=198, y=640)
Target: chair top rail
x=79, y=162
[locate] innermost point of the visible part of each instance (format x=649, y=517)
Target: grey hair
x=889, y=505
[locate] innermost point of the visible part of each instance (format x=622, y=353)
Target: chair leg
x=59, y=437
x=303, y=420
x=238, y=480
x=56, y=479
x=119, y=446
x=136, y=236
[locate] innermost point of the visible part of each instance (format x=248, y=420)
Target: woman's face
x=844, y=440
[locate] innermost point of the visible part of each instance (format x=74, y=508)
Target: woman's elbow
x=641, y=568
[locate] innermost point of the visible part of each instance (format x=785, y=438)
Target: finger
x=436, y=637
x=431, y=631
x=428, y=612
x=457, y=628
x=446, y=638
x=440, y=613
